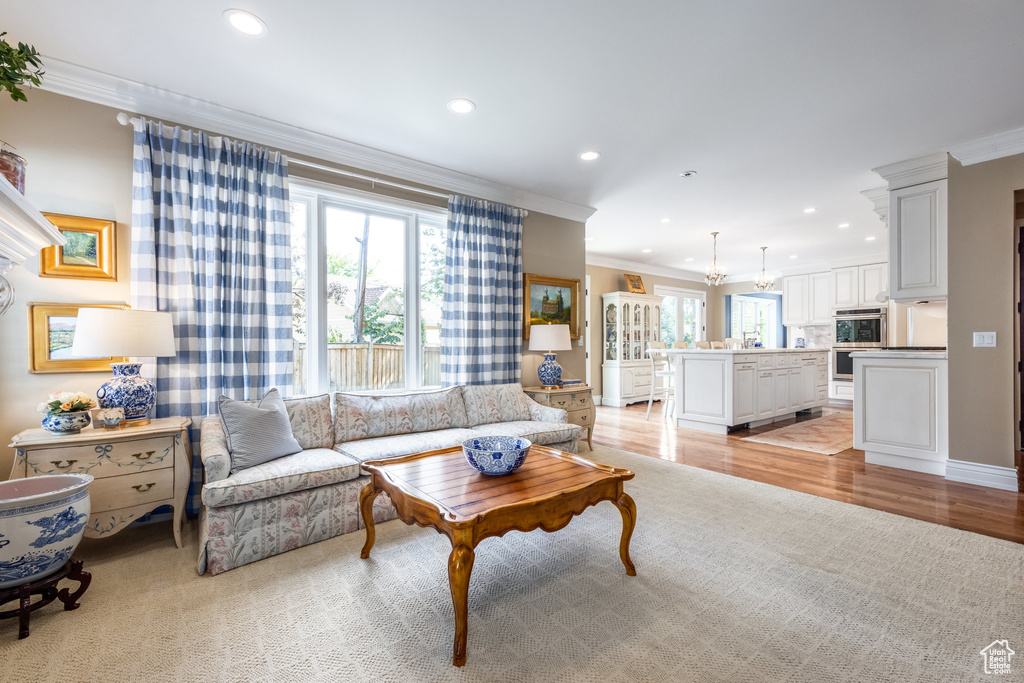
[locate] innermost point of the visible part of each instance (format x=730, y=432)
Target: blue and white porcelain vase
x=129, y=390
x=42, y=519
x=67, y=423
x=549, y=372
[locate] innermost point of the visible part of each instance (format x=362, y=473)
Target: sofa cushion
x=365, y=417
x=257, y=432
x=486, y=404
x=310, y=417
x=540, y=433
x=405, y=444
x=303, y=470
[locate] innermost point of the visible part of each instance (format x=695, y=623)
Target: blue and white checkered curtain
x=482, y=328
x=211, y=244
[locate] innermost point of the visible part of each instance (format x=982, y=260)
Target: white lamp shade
x=106, y=332
x=550, y=338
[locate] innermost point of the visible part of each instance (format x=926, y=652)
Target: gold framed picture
x=51, y=331
x=634, y=284
x=89, y=254
x=551, y=300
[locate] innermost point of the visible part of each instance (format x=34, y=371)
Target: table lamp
x=550, y=338
x=106, y=332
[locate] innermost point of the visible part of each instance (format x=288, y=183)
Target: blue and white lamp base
x=550, y=372
x=129, y=390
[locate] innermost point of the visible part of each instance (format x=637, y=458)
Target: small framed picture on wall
x=90, y=252
x=634, y=285
x=51, y=331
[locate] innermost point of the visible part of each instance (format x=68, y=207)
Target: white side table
x=137, y=469
x=577, y=401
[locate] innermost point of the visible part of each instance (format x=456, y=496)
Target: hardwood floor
x=844, y=477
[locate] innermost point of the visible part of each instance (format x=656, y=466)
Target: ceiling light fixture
x=844, y=225
x=588, y=239
x=810, y=209
x=460, y=105
x=764, y=283
x=687, y=174
x=245, y=22
x=689, y=259
x=590, y=156
x=647, y=251
x=870, y=239
x=713, y=276
x=666, y=220
x=792, y=256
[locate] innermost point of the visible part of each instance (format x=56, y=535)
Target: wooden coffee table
x=440, y=490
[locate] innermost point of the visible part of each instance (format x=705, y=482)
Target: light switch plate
x=984, y=339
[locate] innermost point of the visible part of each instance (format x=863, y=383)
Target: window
x=754, y=317
x=367, y=281
x=682, y=314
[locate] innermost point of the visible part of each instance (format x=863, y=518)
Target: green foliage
x=382, y=327
x=18, y=66
x=338, y=264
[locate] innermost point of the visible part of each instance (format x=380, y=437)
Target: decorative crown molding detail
x=94, y=86
x=879, y=196
x=988, y=148
x=23, y=230
x=915, y=171
x=643, y=268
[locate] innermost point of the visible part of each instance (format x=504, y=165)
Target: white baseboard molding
x=702, y=426
x=992, y=476
x=597, y=400
x=904, y=462
x=840, y=402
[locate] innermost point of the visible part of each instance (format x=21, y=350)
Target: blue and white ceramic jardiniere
x=496, y=455
x=129, y=390
x=67, y=423
x=42, y=519
x=549, y=372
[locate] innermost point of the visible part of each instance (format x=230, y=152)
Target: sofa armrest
x=539, y=413
x=213, y=450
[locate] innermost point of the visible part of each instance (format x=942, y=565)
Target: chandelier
x=764, y=283
x=714, y=276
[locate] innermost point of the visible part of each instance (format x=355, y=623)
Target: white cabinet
x=809, y=387
x=795, y=390
x=873, y=279
x=765, y=394
x=744, y=392
x=845, y=284
x=917, y=242
x=630, y=323
x=820, y=299
x=781, y=385
x=796, y=300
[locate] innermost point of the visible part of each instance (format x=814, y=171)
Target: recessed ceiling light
x=689, y=259
x=870, y=239
x=666, y=220
x=792, y=256
x=590, y=156
x=687, y=174
x=647, y=251
x=588, y=239
x=245, y=22
x=810, y=209
x=844, y=225
x=460, y=105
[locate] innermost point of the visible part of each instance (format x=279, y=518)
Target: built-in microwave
x=842, y=364
x=858, y=328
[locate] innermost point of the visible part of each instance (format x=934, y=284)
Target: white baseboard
x=597, y=400
x=992, y=476
x=904, y=462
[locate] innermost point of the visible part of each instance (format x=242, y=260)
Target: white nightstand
x=137, y=469
x=576, y=400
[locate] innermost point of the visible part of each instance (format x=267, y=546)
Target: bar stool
x=680, y=345
x=702, y=345
x=661, y=367
x=717, y=345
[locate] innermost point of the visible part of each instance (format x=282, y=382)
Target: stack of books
x=571, y=382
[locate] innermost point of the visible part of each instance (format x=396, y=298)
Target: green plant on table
x=18, y=66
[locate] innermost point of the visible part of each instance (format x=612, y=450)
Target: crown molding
x=879, y=197
x=915, y=171
x=65, y=78
x=643, y=268
x=988, y=148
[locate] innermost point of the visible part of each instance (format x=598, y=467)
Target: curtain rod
x=125, y=120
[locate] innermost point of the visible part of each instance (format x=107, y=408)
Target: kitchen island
x=716, y=389
x=900, y=409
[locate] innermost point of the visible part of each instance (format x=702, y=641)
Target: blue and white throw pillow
x=257, y=433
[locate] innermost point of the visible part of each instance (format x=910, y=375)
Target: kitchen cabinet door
x=765, y=394
x=795, y=300
x=781, y=381
x=917, y=242
x=821, y=297
x=845, y=285
x=795, y=390
x=744, y=392
x=873, y=279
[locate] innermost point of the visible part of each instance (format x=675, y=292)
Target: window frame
x=318, y=197
x=680, y=293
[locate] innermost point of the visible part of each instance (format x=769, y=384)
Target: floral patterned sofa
x=314, y=494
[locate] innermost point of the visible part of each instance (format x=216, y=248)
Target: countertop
x=898, y=354
x=741, y=351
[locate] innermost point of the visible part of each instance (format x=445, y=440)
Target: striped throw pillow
x=257, y=433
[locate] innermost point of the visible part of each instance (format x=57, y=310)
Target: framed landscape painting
x=90, y=252
x=51, y=331
x=551, y=300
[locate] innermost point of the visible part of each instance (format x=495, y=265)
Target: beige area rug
x=737, y=581
x=828, y=435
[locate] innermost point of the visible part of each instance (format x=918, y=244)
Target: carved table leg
x=178, y=510
x=70, y=599
x=460, y=565
x=366, y=498
x=25, y=604
x=628, y=509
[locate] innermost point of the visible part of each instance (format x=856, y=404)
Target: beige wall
x=80, y=164
x=982, y=283
x=604, y=280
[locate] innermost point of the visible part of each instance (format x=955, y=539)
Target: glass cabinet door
x=626, y=319
x=610, y=342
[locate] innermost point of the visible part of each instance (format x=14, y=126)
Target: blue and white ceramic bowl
x=42, y=519
x=496, y=455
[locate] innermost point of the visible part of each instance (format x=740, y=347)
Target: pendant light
x=714, y=276
x=764, y=283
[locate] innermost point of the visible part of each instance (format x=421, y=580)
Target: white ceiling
x=778, y=105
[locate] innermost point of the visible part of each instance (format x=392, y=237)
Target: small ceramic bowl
x=496, y=455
